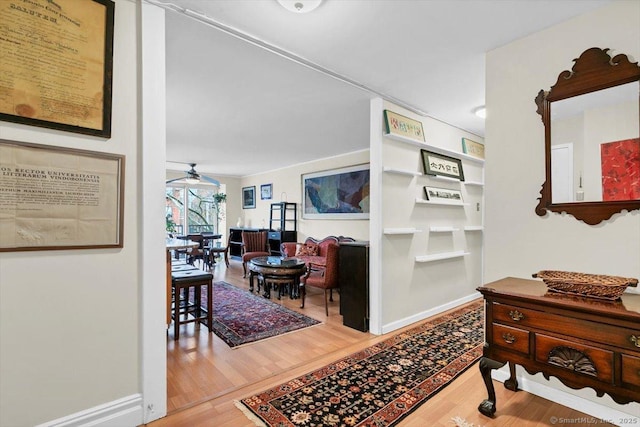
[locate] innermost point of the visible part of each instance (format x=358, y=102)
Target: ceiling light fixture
x=192, y=180
x=480, y=112
x=300, y=6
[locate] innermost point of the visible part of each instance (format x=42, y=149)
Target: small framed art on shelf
x=399, y=125
x=472, y=148
x=435, y=194
x=439, y=164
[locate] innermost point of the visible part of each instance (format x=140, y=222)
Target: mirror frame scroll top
x=594, y=70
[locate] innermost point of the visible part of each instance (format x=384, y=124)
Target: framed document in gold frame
x=57, y=64
x=59, y=198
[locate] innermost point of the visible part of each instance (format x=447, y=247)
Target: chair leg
x=326, y=303
x=244, y=269
x=226, y=258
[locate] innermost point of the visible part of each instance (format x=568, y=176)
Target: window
x=205, y=209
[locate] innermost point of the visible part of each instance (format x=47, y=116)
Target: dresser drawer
x=565, y=325
x=631, y=370
x=582, y=359
x=511, y=338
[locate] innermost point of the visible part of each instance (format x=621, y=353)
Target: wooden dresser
x=583, y=342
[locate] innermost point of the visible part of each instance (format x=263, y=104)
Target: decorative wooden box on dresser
x=584, y=342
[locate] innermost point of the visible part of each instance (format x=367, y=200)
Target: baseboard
x=119, y=413
x=390, y=327
x=596, y=410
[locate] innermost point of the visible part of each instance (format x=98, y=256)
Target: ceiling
x=252, y=87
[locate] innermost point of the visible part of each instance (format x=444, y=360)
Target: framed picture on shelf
x=435, y=194
x=472, y=148
x=439, y=164
x=396, y=124
x=266, y=191
x=249, y=197
x=336, y=194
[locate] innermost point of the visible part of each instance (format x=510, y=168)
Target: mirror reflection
x=595, y=146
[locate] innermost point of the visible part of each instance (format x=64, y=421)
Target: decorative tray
x=586, y=285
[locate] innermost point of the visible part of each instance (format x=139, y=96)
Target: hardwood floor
x=205, y=376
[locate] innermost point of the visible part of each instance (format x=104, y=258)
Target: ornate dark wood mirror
x=591, y=136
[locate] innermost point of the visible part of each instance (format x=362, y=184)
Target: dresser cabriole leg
x=488, y=406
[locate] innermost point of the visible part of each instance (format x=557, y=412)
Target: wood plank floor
x=205, y=376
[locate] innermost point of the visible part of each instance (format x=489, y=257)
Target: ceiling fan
x=193, y=177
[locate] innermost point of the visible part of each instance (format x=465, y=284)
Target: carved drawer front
x=631, y=370
x=581, y=359
x=511, y=338
x=565, y=325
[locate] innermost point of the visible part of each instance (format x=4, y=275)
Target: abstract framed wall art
x=439, y=164
x=336, y=194
x=57, y=64
x=620, y=164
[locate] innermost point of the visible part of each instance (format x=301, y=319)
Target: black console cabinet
x=353, y=275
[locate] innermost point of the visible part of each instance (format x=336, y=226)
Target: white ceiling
x=237, y=104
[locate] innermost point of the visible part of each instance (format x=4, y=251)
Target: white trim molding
x=390, y=327
x=122, y=412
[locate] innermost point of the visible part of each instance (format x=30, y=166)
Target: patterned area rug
x=379, y=385
x=240, y=317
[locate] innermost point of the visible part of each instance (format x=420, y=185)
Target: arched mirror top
x=591, y=118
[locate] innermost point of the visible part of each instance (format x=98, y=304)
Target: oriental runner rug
x=240, y=317
x=381, y=384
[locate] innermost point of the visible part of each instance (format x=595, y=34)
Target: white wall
x=69, y=320
x=289, y=180
x=403, y=290
x=517, y=241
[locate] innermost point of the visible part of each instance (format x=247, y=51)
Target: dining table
x=173, y=244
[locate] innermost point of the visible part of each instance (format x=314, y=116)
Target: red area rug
x=381, y=384
x=240, y=317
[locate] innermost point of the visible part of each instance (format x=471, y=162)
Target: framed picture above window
x=249, y=197
x=439, y=164
x=266, y=191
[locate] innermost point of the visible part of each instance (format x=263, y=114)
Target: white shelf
x=434, y=229
x=441, y=256
x=401, y=171
x=473, y=228
x=433, y=148
x=474, y=183
x=401, y=231
x=429, y=202
x=443, y=178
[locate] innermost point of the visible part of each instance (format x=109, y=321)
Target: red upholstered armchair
x=325, y=278
x=254, y=244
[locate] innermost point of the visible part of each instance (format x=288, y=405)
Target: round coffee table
x=272, y=271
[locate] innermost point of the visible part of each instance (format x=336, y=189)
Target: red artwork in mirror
x=620, y=170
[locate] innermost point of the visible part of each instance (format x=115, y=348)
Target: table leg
x=488, y=406
x=251, y=274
